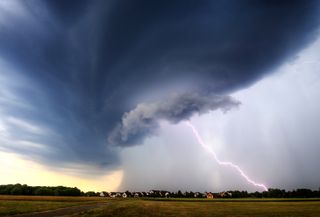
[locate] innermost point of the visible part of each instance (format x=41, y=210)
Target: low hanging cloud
x=144, y=119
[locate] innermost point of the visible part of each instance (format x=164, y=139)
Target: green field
x=207, y=208
x=11, y=205
x=160, y=207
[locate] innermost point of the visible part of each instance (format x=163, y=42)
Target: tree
x=179, y=194
x=17, y=190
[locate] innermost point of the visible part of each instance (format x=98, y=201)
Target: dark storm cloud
x=81, y=66
x=143, y=120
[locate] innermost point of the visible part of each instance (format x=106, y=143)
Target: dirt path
x=62, y=211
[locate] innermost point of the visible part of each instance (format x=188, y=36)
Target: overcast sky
x=98, y=93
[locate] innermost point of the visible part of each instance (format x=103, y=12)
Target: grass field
x=11, y=205
x=162, y=207
x=195, y=208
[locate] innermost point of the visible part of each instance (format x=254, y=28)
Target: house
x=225, y=194
x=155, y=193
x=118, y=194
x=114, y=194
x=101, y=194
x=136, y=195
x=210, y=195
x=124, y=195
x=197, y=195
x=164, y=193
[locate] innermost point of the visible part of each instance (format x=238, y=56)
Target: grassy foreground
x=10, y=205
x=195, y=208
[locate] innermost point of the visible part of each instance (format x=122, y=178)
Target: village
x=161, y=194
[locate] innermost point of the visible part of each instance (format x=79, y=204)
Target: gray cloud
x=144, y=119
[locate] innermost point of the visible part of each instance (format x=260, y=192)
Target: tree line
x=278, y=193
x=18, y=189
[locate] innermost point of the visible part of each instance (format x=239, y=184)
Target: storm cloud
x=144, y=119
x=88, y=72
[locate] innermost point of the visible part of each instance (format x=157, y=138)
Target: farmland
x=12, y=205
x=207, y=208
x=94, y=206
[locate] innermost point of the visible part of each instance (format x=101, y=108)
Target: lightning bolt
x=224, y=163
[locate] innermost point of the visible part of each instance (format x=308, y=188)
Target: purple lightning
x=225, y=163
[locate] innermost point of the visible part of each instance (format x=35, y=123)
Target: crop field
x=33, y=206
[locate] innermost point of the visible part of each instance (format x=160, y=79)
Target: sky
x=97, y=94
